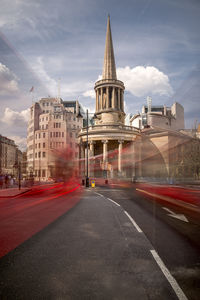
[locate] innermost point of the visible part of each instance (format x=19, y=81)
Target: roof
x=109, y=69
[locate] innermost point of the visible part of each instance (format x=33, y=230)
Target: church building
x=109, y=134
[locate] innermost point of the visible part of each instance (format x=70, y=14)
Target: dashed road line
x=113, y=201
x=180, y=294
x=99, y=194
x=133, y=222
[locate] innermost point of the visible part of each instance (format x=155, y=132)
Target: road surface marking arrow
x=176, y=216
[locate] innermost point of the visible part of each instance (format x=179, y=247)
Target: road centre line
x=180, y=294
x=113, y=201
x=133, y=222
x=99, y=194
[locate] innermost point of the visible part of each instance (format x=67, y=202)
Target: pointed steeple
x=109, y=69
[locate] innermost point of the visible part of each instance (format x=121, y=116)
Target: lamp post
x=87, y=178
x=19, y=174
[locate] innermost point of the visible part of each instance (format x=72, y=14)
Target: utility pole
x=19, y=174
x=87, y=178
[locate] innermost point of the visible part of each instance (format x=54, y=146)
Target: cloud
x=8, y=81
x=89, y=93
x=15, y=118
x=19, y=141
x=142, y=81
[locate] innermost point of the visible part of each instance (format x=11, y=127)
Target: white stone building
x=52, y=128
x=163, y=117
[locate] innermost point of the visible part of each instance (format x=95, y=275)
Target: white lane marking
x=176, y=216
x=113, y=201
x=99, y=194
x=170, y=278
x=133, y=222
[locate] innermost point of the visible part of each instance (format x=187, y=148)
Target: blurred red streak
x=25, y=223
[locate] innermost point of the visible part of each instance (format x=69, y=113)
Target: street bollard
x=83, y=182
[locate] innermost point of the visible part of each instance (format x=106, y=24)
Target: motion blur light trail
x=184, y=194
x=25, y=216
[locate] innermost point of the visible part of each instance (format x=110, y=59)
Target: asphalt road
x=93, y=249
x=176, y=241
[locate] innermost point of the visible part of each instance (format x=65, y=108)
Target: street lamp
x=87, y=178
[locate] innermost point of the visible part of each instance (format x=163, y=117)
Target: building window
x=50, y=144
x=43, y=154
x=35, y=146
x=39, y=145
x=46, y=118
x=46, y=126
x=43, y=134
x=51, y=134
x=59, y=134
x=56, y=134
x=39, y=154
x=62, y=134
x=36, y=155
x=39, y=135
x=43, y=145
x=70, y=134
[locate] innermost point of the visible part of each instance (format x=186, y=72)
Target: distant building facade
x=10, y=156
x=52, y=127
x=164, y=117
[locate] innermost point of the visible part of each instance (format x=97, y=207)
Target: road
x=103, y=243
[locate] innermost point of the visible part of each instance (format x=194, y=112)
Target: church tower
x=109, y=90
x=106, y=139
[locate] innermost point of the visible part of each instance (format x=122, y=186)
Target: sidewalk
x=12, y=192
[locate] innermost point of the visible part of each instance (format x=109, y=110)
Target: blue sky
x=156, y=45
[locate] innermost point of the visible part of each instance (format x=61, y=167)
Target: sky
x=156, y=46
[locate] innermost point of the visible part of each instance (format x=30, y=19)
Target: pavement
x=12, y=192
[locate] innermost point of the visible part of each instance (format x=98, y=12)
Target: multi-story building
x=10, y=157
x=52, y=129
x=164, y=117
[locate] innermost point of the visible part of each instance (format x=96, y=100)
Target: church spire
x=109, y=69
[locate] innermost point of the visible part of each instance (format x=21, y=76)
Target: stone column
x=97, y=100
x=113, y=97
x=120, y=156
x=133, y=158
x=105, y=149
x=118, y=90
x=107, y=97
x=122, y=101
x=101, y=100
x=91, y=148
x=91, y=154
